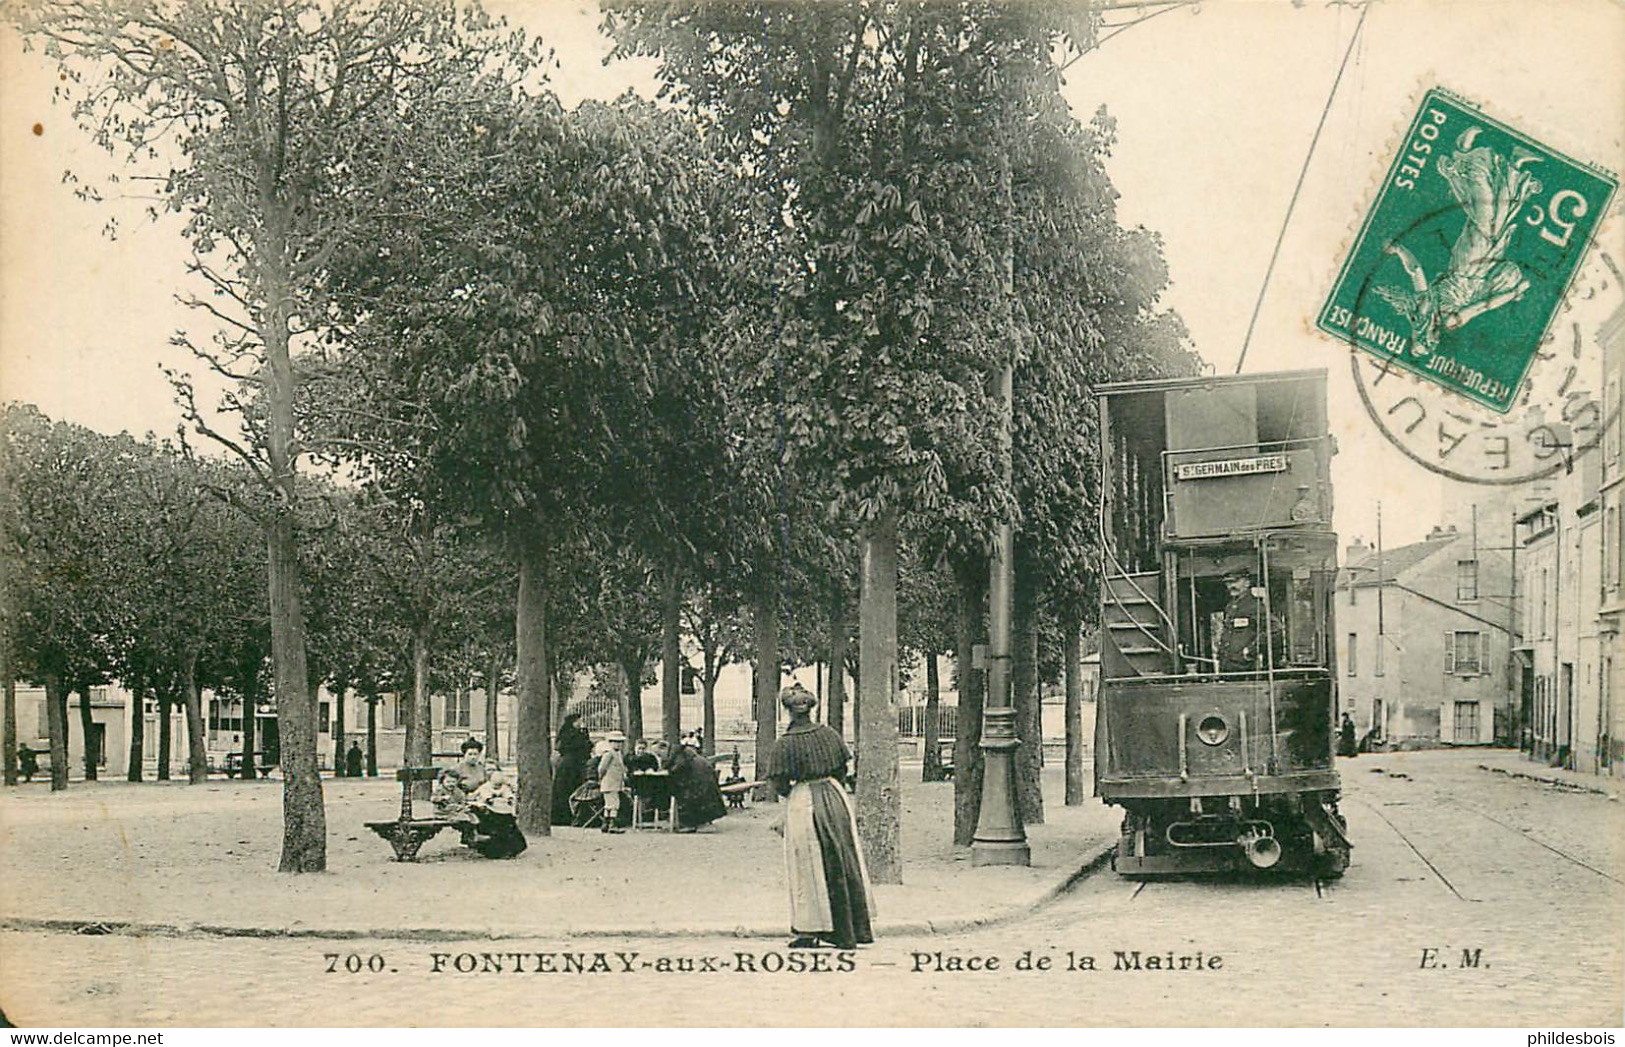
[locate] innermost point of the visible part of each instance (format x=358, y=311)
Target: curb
x=140, y=929
x=1552, y=780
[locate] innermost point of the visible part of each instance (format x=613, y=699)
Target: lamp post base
x=1000, y=852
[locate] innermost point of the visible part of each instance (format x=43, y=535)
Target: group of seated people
x=478, y=798
x=655, y=774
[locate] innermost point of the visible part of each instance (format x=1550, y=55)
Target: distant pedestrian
x=612, y=781
x=352, y=761
x=27, y=762
x=1345, y=737
x=830, y=899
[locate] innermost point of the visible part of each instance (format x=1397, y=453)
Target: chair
x=587, y=806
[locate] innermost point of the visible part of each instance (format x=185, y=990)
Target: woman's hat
x=796, y=696
x=472, y=743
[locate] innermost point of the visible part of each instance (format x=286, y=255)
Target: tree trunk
x=340, y=685
x=632, y=678
x=533, y=728
x=970, y=575
x=8, y=734
x=197, y=746
x=931, y=764
x=835, y=710
x=372, y=735
x=708, y=701
x=134, y=771
x=251, y=726
x=166, y=711
x=304, y=819
x=671, y=674
x=879, y=797
x=493, y=676
x=87, y=731
x=419, y=725
x=765, y=623
x=563, y=683
x=56, y=728
x=1075, y=793
x=1024, y=687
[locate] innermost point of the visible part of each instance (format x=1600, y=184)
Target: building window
x=1464, y=654
x=1354, y=654
x=324, y=715
x=1613, y=543
x=457, y=709
x=1377, y=666
x=1466, y=580
x=399, y=703
x=1466, y=722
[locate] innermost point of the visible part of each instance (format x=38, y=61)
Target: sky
x=1215, y=104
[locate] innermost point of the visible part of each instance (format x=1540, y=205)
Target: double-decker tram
x=1215, y=725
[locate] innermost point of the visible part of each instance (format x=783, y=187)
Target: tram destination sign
x=1263, y=463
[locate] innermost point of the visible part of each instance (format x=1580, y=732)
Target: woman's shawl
x=813, y=751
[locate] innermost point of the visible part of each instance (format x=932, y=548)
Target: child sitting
x=493, y=804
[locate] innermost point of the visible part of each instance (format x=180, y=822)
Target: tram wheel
x=1330, y=864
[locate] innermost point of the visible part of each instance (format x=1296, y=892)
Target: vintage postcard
x=812, y=513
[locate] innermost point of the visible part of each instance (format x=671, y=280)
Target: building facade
x=1572, y=582
x=1424, y=639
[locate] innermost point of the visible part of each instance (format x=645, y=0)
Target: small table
x=654, y=789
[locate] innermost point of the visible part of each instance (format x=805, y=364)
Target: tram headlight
x=1212, y=730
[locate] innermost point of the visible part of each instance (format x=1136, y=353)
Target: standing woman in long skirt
x=830, y=899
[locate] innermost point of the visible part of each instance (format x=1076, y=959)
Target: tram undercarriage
x=1289, y=832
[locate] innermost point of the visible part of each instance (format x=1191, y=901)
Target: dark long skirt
x=829, y=885
x=499, y=835
x=699, y=798
x=567, y=778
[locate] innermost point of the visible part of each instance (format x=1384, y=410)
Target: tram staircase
x=1136, y=626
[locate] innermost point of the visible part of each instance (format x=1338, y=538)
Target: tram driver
x=1241, y=645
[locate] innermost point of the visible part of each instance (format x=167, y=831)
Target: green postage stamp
x=1465, y=257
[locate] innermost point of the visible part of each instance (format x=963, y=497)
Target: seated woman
x=455, y=785
x=642, y=759
x=694, y=784
x=493, y=807
x=649, y=790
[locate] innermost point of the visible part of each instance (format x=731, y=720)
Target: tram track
x=1532, y=838
x=1405, y=838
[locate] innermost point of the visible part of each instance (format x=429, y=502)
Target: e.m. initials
x=1433, y=959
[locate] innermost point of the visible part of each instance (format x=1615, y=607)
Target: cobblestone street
x=1474, y=899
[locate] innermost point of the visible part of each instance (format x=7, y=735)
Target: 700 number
x=353, y=963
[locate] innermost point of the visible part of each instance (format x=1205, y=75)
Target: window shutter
x=1449, y=652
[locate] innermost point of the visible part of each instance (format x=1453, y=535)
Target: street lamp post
x=1000, y=838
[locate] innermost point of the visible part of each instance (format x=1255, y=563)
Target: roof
x=1393, y=562
x=1253, y=378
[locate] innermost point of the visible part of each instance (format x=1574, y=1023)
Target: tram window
x=1287, y=411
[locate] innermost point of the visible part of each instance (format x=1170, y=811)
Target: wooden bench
x=735, y=792
x=406, y=833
